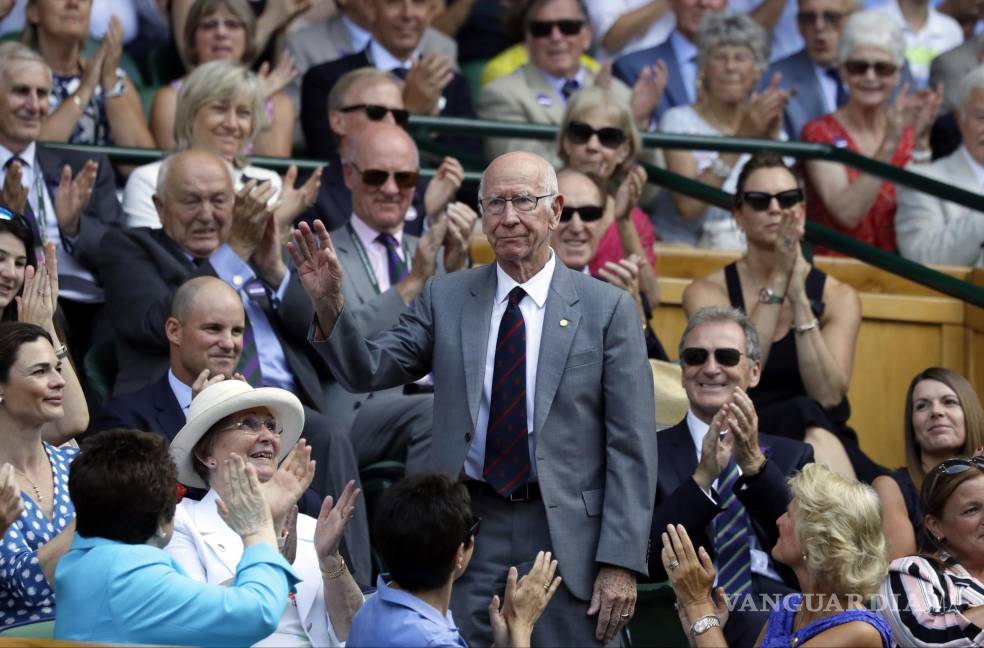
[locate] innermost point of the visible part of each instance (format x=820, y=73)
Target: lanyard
x=364, y=258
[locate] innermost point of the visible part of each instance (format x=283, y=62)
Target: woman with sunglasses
x=219, y=109
x=936, y=598
x=231, y=418
x=871, y=57
x=807, y=322
x=733, y=53
x=598, y=137
x=425, y=533
x=943, y=420
x=226, y=30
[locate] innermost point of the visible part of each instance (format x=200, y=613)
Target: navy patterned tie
x=249, y=360
x=570, y=87
x=507, y=458
x=841, y=97
x=732, y=531
x=394, y=264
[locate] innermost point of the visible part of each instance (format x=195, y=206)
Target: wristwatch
x=769, y=296
x=704, y=624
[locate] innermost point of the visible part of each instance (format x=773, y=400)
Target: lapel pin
x=563, y=322
x=544, y=100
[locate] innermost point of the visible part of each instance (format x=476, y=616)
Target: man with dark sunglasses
x=718, y=476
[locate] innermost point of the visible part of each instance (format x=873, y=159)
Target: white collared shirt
x=181, y=391
x=376, y=250
x=975, y=165
x=760, y=559
x=828, y=89
x=686, y=55
x=382, y=59
x=557, y=83
x=533, y=307
x=360, y=37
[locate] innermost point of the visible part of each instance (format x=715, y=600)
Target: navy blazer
x=151, y=409
x=628, y=67
x=679, y=499
x=320, y=79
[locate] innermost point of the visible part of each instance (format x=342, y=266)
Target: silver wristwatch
x=769, y=296
x=704, y=624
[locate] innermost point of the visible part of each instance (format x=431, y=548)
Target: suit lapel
x=216, y=534
x=167, y=411
x=678, y=456
x=555, y=341
x=674, y=83
x=540, y=87
x=475, y=322
x=352, y=265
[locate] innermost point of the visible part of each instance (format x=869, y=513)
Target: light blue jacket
x=109, y=591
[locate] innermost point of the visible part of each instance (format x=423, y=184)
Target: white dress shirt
x=382, y=59
x=828, y=89
x=360, y=37
x=181, y=391
x=975, y=165
x=376, y=251
x=533, y=307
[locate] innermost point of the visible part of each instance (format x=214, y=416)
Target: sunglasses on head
x=543, y=28
x=950, y=467
x=760, y=201
x=378, y=113
x=580, y=133
x=860, y=68
x=378, y=177
x=696, y=357
x=809, y=18
x=588, y=213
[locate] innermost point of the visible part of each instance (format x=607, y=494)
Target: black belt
x=528, y=492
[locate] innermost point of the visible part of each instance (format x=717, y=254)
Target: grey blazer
x=526, y=96
x=949, y=68
x=930, y=230
x=593, y=415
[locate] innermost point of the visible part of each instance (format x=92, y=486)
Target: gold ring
x=546, y=586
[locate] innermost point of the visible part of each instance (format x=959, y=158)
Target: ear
x=159, y=206
x=172, y=328
x=348, y=174
x=31, y=13
x=932, y=524
x=337, y=123
x=558, y=206
x=755, y=374
x=200, y=459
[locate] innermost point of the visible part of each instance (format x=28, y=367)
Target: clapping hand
x=524, y=600
x=425, y=82
x=332, y=521
x=294, y=200
x=241, y=503
x=112, y=50
x=691, y=573
x=14, y=192
x=629, y=191
x=275, y=79
x=716, y=450
x=762, y=113
x=206, y=379
x=250, y=215
x=73, y=195
x=11, y=505
x=292, y=478
x=648, y=91
x=743, y=422
x=39, y=298
x=457, y=239
x=916, y=111
x=442, y=188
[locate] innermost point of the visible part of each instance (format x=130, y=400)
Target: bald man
x=543, y=405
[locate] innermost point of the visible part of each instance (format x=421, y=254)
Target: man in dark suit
x=717, y=476
x=432, y=86
x=71, y=197
x=207, y=230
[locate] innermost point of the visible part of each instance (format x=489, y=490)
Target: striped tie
x=731, y=537
x=507, y=459
x=394, y=264
x=249, y=360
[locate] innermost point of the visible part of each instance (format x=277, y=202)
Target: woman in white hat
x=262, y=425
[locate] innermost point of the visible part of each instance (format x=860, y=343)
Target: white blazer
x=208, y=550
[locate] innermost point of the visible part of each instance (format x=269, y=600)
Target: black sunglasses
x=760, y=201
x=378, y=177
x=580, y=133
x=588, y=213
x=378, y=113
x=859, y=68
x=696, y=357
x=809, y=18
x=949, y=467
x=543, y=28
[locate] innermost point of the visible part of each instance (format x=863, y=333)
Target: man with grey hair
x=543, y=404
x=930, y=229
x=70, y=196
x=718, y=476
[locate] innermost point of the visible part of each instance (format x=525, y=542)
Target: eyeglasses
x=378, y=177
x=809, y=18
x=949, y=467
x=253, y=425
x=860, y=68
x=475, y=526
x=580, y=133
x=497, y=206
x=543, y=28
x=760, y=201
x=378, y=113
x=696, y=357
x=588, y=213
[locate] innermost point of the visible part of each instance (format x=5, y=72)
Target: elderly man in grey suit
x=383, y=270
x=929, y=229
x=557, y=34
x=951, y=67
x=545, y=404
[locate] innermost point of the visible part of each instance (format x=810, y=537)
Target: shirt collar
x=27, y=155
x=394, y=596
x=537, y=287
x=684, y=50
x=976, y=166
x=698, y=430
x=181, y=391
x=558, y=82
x=360, y=37
x=382, y=59
x=367, y=235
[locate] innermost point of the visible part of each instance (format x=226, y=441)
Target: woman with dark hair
x=943, y=420
x=117, y=585
x=807, y=321
x=425, y=533
x=936, y=598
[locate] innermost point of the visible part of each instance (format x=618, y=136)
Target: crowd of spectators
x=202, y=356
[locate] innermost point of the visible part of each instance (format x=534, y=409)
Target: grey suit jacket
x=593, y=415
x=930, y=230
x=526, y=96
x=807, y=103
x=374, y=313
x=949, y=68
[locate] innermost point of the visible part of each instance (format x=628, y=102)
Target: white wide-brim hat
x=222, y=399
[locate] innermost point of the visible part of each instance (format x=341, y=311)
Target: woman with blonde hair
x=832, y=539
x=943, y=420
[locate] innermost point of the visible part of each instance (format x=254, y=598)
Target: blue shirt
x=394, y=618
x=25, y=594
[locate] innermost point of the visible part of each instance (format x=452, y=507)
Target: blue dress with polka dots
x=25, y=594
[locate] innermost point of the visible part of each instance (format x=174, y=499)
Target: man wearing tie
x=543, y=404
